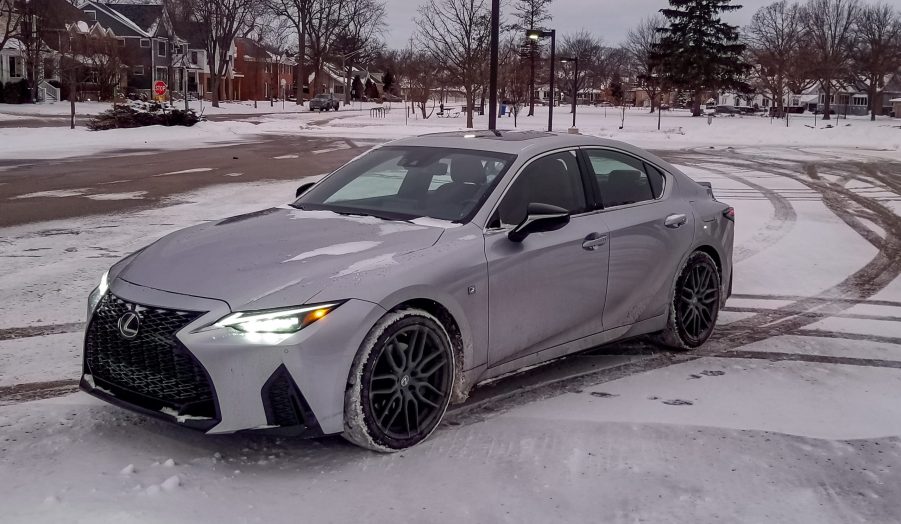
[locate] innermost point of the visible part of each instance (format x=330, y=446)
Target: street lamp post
x=492, y=75
x=535, y=34
x=575, y=61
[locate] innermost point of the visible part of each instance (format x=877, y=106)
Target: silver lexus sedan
x=394, y=284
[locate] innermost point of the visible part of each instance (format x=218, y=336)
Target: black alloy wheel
x=695, y=306
x=698, y=302
x=405, y=383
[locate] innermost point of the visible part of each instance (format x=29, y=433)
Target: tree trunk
x=302, y=57
x=71, y=100
x=827, y=103
x=214, y=89
x=531, y=80
x=873, y=93
x=347, y=87
x=470, y=102
x=696, y=104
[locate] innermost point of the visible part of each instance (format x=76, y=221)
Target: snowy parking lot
x=789, y=413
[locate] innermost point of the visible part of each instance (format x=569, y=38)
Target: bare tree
x=829, y=26
x=877, y=53
x=590, y=52
x=531, y=14
x=11, y=17
x=640, y=44
x=456, y=33
x=422, y=69
x=775, y=44
x=296, y=13
x=514, y=72
x=358, y=39
x=222, y=21
x=326, y=19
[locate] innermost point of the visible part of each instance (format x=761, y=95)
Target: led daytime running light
x=279, y=321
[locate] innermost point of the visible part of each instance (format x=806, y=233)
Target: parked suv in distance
x=324, y=102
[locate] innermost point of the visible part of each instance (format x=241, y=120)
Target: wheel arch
x=460, y=339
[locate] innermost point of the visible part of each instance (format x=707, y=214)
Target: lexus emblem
x=129, y=323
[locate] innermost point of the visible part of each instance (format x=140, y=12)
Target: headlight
x=97, y=294
x=286, y=320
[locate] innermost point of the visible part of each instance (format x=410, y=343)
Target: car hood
x=275, y=257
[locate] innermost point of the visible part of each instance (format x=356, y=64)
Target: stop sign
x=159, y=87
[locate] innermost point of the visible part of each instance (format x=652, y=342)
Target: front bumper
x=292, y=385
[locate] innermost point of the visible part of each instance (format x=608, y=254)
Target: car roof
x=512, y=142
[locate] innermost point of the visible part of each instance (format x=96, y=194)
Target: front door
x=649, y=233
x=550, y=288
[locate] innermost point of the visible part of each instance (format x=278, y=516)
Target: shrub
x=2, y=94
x=17, y=92
x=136, y=113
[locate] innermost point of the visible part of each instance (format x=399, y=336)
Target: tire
x=695, y=306
x=405, y=368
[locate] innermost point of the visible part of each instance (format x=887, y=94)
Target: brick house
x=262, y=73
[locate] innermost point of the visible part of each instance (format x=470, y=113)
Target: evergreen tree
x=388, y=80
x=699, y=52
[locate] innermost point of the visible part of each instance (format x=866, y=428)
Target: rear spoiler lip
x=709, y=187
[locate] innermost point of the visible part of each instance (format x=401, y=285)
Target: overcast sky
x=609, y=19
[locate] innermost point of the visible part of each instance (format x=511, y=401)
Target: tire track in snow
x=856, y=288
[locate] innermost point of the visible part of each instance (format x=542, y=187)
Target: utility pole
x=492, y=75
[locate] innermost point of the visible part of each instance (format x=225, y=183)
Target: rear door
x=649, y=233
x=548, y=289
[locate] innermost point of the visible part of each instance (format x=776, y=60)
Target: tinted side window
x=621, y=178
x=656, y=178
x=553, y=179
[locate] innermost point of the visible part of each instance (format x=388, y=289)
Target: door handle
x=675, y=221
x=594, y=241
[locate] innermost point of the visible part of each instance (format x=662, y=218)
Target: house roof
x=145, y=16
x=115, y=20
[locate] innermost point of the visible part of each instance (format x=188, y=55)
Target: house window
x=160, y=48
x=16, y=68
x=162, y=74
x=91, y=15
x=859, y=101
x=137, y=70
x=194, y=57
x=121, y=42
x=145, y=43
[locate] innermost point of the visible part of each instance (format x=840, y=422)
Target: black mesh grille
x=283, y=405
x=154, y=364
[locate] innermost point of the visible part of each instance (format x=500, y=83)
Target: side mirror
x=303, y=189
x=539, y=218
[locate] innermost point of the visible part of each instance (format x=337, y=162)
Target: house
x=12, y=61
x=12, y=57
x=148, y=41
x=191, y=60
x=896, y=107
x=266, y=73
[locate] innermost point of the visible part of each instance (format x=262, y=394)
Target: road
x=34, y=190
x=787, y=415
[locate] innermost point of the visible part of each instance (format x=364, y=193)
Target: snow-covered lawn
x=678, y=130
x=810, y=435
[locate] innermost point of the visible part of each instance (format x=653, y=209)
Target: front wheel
x=400, y=383
x=695, y=305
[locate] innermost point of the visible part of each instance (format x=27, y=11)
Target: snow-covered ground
x=790, y=415
x=677, y=130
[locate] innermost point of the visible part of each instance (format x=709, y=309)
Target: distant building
x=264, y=73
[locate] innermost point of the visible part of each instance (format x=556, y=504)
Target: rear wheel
x=400, y=383
x=695, y=305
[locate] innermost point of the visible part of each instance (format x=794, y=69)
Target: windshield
x=321, y=96
x=411, y=182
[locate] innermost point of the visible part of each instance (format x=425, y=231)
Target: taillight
x=729, y=213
